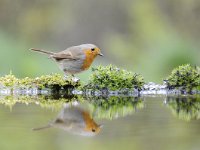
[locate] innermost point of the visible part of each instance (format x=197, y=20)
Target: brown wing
x=62, y=55
x=72, y=53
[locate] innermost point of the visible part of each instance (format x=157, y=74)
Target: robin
x=74, y=59
x=75, y=120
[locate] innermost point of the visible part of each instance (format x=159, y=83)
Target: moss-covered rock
x=54, y=82
x=26, y=83
x=8, y=80
x=113, y=78
x=184, y=77
x=185, y=108
x=114, y=107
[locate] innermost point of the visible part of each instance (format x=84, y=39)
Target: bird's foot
x=71, y=77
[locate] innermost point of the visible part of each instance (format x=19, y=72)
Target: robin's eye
x=92, y=49
x=93, y=130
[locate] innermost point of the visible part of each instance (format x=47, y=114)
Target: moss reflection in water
x=50, y=101
x=101, y=107
x=185, y=108
x=113, y=107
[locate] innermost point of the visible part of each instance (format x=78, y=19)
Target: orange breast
x=89, y=58
x=89, y=122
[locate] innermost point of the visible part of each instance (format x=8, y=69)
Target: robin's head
x=91, y=49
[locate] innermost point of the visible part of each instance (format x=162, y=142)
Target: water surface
x=154, y=123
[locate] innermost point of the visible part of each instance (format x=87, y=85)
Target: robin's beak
x=100, y=54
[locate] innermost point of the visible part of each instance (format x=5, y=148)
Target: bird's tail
x=41, y=128
x=42, y=51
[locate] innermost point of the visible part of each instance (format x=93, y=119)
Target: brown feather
x=73, y=53
x=62, y=55
x=42, y=51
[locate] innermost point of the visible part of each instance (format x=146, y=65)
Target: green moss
x=113, y=78
x=53, y=81
x=186, y=77
x=8, y=80
x=114, y=107
x=26, y=83
x=185, y=108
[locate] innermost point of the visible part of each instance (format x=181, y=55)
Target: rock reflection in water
x=185, y=108
x=76, y=120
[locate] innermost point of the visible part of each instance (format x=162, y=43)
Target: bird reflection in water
x=76, y=120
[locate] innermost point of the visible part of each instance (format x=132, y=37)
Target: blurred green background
x=149, y=37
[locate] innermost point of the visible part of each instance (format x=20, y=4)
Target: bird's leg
x=75, y=79
x=71, y=77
